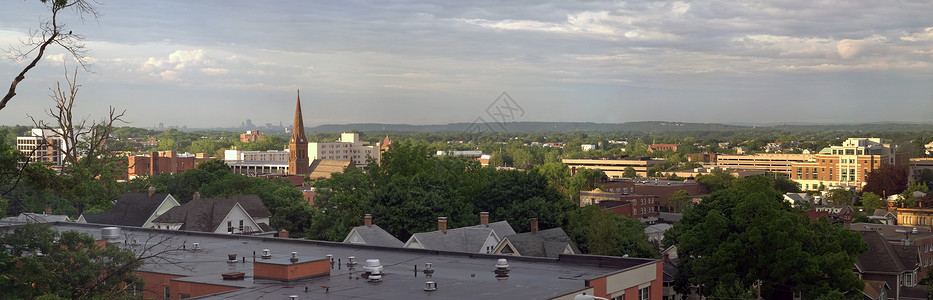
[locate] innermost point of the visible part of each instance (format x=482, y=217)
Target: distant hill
x=560, y=127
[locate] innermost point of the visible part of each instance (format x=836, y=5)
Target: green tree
x=872, y=201
x=839, y=196
x=41, y=262
x=583, y=180
x=629, y=172
x=716, y=180
x=740, y=235
x=680, y=201
x=786, y=185
x=600, y=232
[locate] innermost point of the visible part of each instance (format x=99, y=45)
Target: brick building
x=847, y=165
x=663, y=147
x=252, y=136
x=162, y=162
x=642, y=207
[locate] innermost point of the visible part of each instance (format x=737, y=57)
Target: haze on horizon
x=216, y=63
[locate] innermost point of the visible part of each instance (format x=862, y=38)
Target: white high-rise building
x=348, y=148
x=44, y=145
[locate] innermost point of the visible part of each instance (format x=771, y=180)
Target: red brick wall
x=291, y=272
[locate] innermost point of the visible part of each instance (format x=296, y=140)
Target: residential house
x=134, y=209
x=235, y=215
x=842, y=212
x=796, y=199
x=26, y=218
x=655, y=232
x=481, y=238
x=897, y=265
x=371, y=234
x=545, y=243
x=901, y=235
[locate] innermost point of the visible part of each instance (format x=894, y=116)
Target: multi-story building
x=770, y=163
x=846, y=165
x=614, y=168
x=663, y=147
x=252, y=136
x=349, y=147
x=44, y=145
x=257, y=162
x=643, y=207
x=917, y=165
x=162, y=162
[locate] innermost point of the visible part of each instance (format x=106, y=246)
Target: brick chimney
x=48, y=209
x=484, y=218
x=152, y=191
x=283, y=234
x=534, y=225
x=442, y=224
x=196, y=196
x=667, y=258
x=368, y=220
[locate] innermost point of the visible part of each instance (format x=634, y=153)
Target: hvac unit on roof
x=502, y=269
x=428, y=269
x=266, y=254
x=110, y=233
x=373, y=270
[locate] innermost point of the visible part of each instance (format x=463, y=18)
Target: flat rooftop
x=457, y=275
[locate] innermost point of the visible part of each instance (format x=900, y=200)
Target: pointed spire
x=298, y=133
x=298, y=163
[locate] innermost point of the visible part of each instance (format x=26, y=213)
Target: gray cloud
x=437, y=62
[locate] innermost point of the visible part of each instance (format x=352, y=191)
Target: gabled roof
x=464, y=239
x=544, y=243
x=205, y=215
x=881, y=258
x=132, y=209
x=501, y=228
x=373, y=235
x=873, y=288
x=24, y=218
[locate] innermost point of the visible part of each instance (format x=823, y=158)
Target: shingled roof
x=372, y=235
x=544, y=243
x=206, y=214
x=132, y=209
x=881, y=256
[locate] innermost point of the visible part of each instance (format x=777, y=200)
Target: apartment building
x=44, y=145
x=349, y=147
x=613, y=167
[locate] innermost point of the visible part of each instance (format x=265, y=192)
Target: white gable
x=490, y=244
x=354, y=237
x=235, y=217
x=166, y=204
x=505, y=247
x=413, y=243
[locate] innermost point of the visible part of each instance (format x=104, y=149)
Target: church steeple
x=298, y=163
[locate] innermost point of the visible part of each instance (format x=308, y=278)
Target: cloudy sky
x=216, y=63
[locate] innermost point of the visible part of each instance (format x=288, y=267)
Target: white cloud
x=214, y=71
x=55, y=58
x=169, y=75
x=926, y=35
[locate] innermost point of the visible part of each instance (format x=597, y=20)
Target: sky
x=212, y=63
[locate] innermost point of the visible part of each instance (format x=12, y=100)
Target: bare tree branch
x=52, y=33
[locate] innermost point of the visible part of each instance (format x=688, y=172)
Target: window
x=643, y=293
x=167, y=295
x=241, y=225
x=229, y=226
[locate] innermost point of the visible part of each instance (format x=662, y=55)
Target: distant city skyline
x=210, y=64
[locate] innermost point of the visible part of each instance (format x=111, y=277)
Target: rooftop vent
x=428, y=269
x=502, y=269
x=135, y=242
x=373, y=270
x=110, y=233
x=266, y=254
x=233, y=276
x=351, y=261
x=195, y=246
x=231, y=257
x=430, y=286
x=294, y=257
